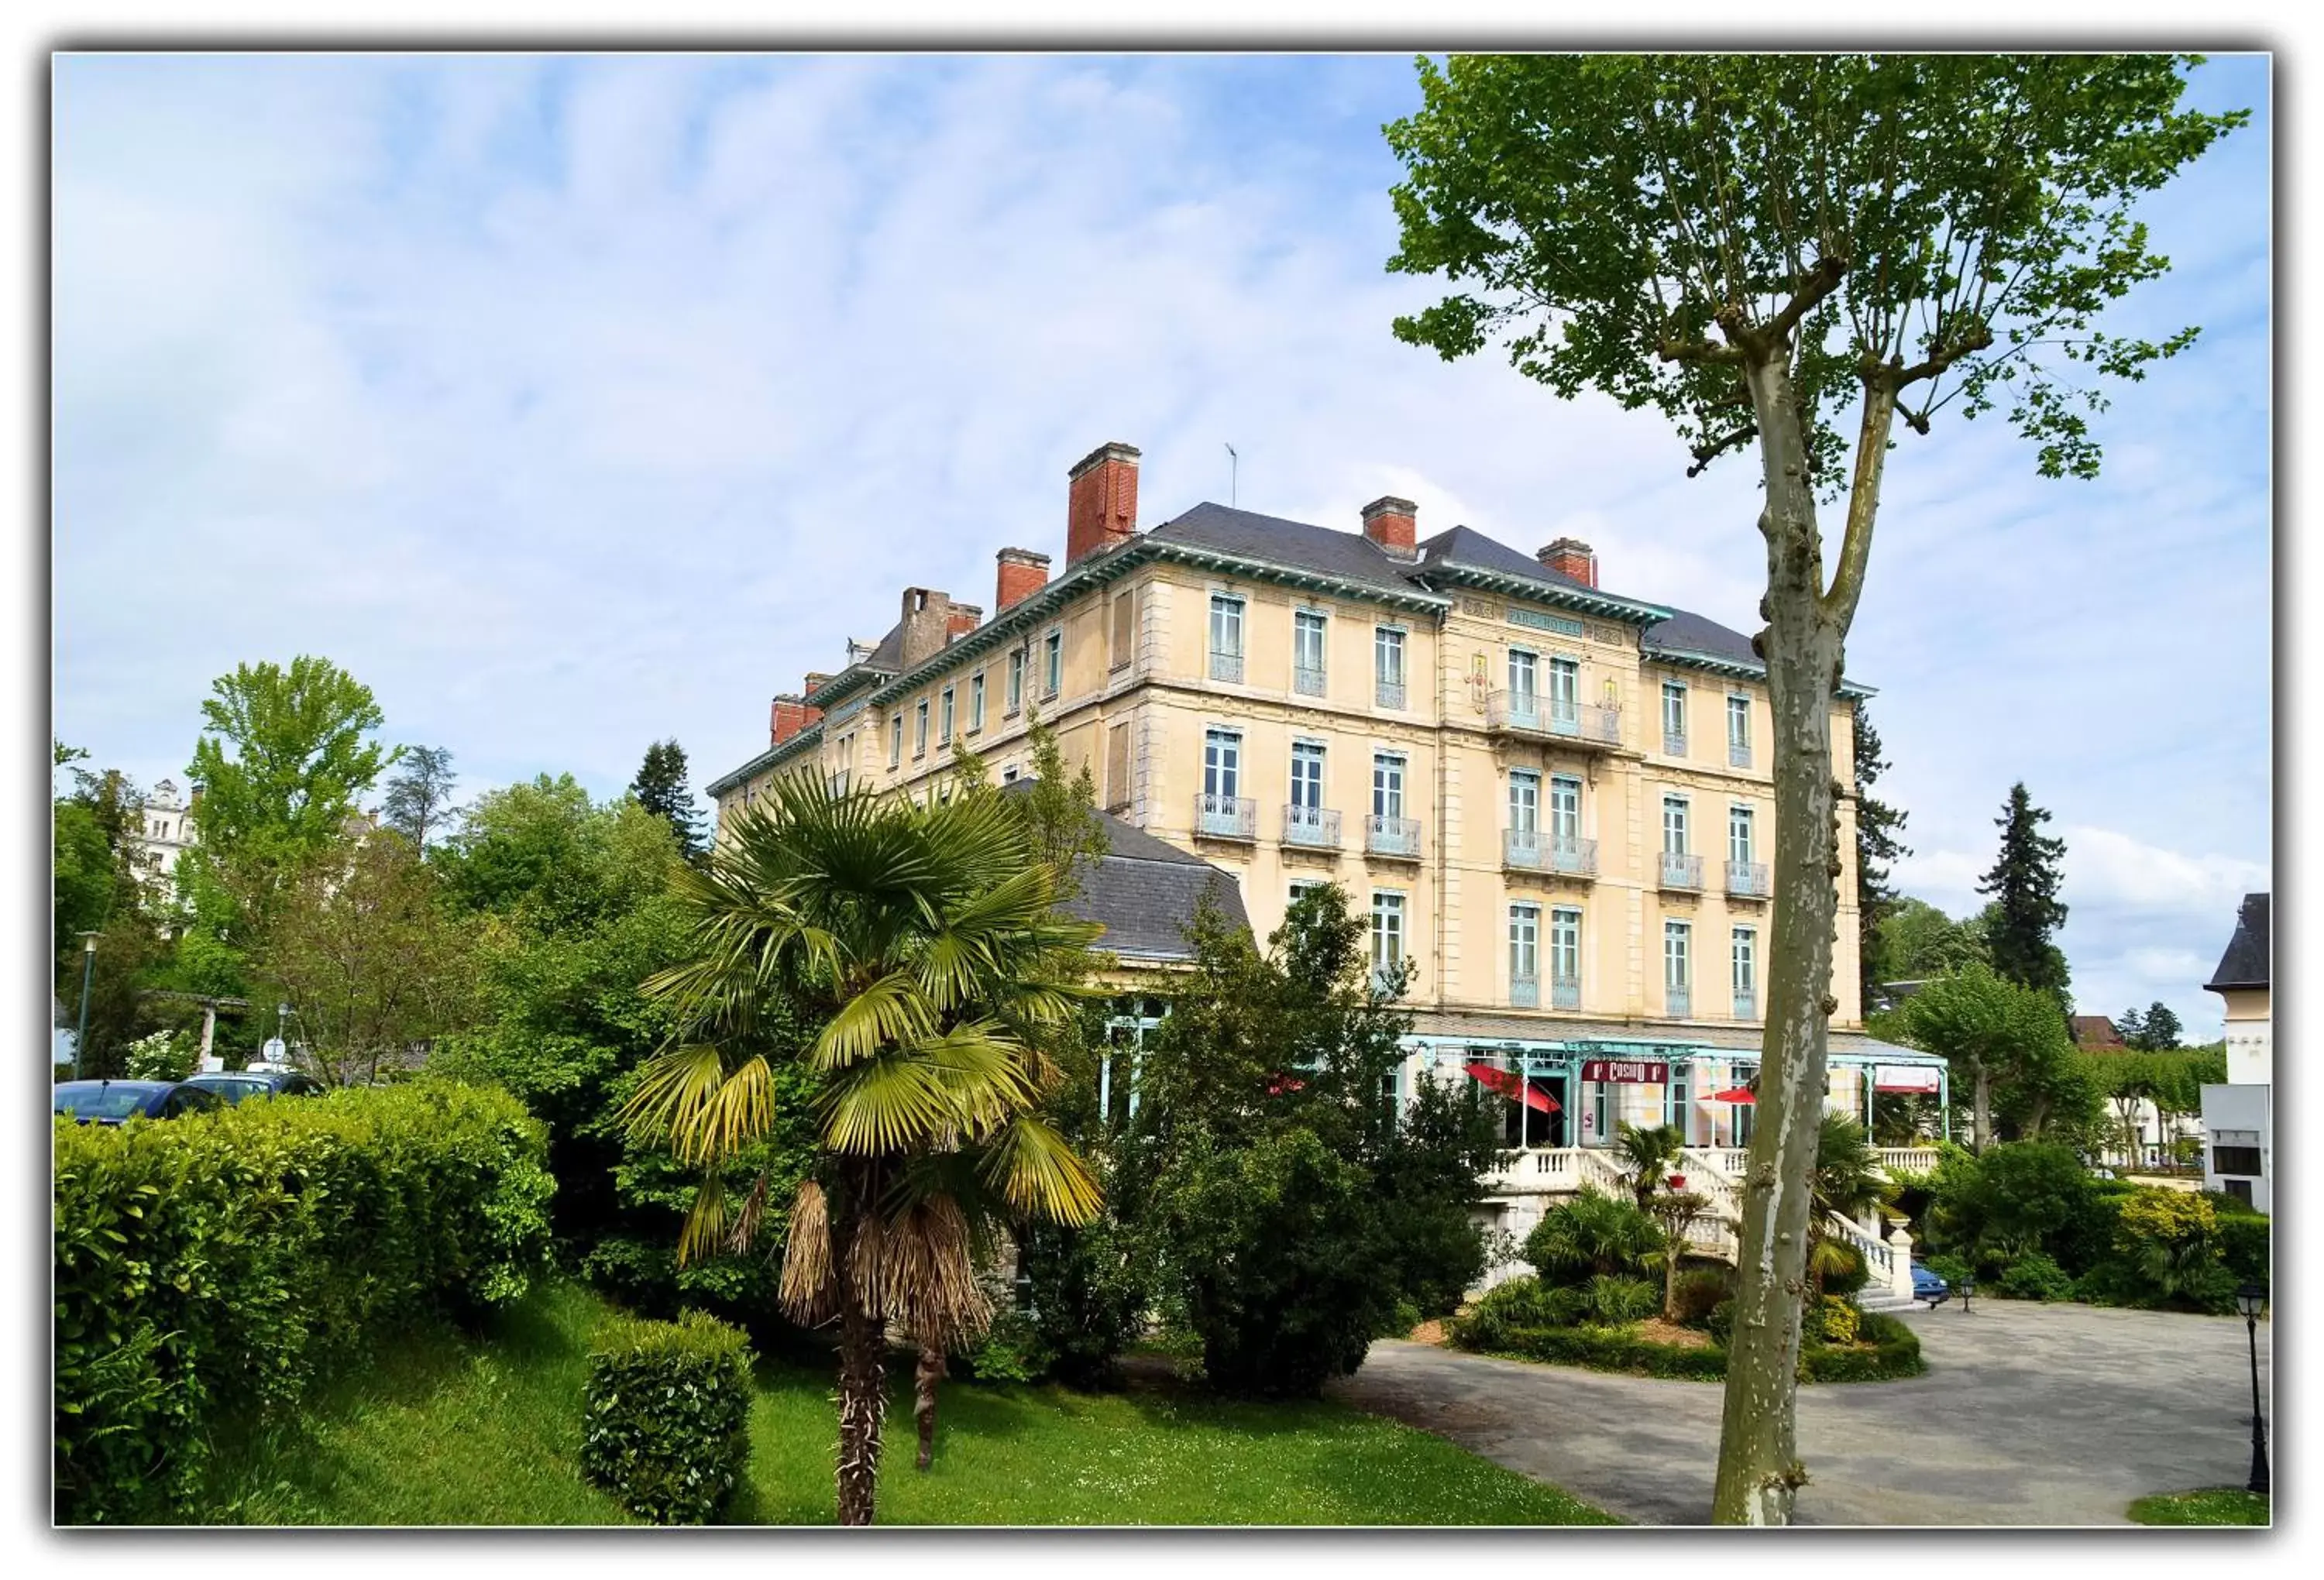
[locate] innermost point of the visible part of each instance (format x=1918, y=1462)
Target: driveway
x=2029, y=1414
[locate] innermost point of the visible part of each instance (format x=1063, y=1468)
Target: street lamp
x=1967, y=1288
x=87, y=966
x=2250, y=1299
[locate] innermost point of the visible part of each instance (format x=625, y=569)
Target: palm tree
x=924, y=944
x=1847, y=1181
x=1677, y=1211
x=1590, y=1233
x=1646, y=1153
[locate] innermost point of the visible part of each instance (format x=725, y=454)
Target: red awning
x=1510, y=1085
x=1735, y=1095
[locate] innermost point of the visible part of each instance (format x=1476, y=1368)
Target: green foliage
x=2244, y=1245
x=1610, y=1349
x=1720, y=1323
x=219, y=1263
x=1883, y=1348
x=1842, y=1265
x=1089, y=1286
x=2010, y=1035
x=2211, y=1506
x=667, y=1413
x=1591, y=1234
x=661, y=789
x=2155, y=1032
x=1616, y=1298
x=1699, y=1290
x=2019, y=1197
x=1647, y=1153
x=1915, y=941
x=1879, y=829
x=2034, y=1276
x=418, y=800
x=164, y=1055
x=1830, y=1319
x=2026, y=913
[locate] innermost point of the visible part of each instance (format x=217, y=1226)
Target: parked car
x=234, y=1085
x=110, y=1102
x=1927, y=1286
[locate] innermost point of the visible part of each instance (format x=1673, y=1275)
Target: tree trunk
x=1759, y=1469
x=925, y=1378
x=863, y=1371
x=1981, y=1108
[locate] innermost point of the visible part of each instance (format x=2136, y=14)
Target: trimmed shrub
x=2034, y=1277
x=1614, y=1349
x=1617, y=1300
x=666, y=1423
x=1832, y=1319
x=1884, y=1348
x=1720, y=1323
x=1698, y=1289
x=217, y=1263
x=2244, y=1246
x=1517, y=1302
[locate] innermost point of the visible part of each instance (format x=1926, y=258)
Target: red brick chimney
x=963, y=620
x=1570, y=557
x=815, y=677
x=1394, y=524
x=789, y=715
x=1023, y=574
x=1101, y=501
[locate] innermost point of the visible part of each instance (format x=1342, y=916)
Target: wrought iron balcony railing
x=1529, y=713
x=1748, y=878
x=1226, y=817
x=1392, y=836
x=1314, y=826
x=1682, y=870
x=1525, y=992
x=1566, y=992
x=1677, y=1000
x=1226, y=666
x=1747, y=1003
x=1738, y=754
x=1674, y=743
x=1390, y=694
x=1306, y=682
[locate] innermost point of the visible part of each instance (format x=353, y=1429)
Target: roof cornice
x=1588, y=600
x=1719, y=663
x=772, y=757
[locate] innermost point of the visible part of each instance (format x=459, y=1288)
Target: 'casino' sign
x=1627, y=1071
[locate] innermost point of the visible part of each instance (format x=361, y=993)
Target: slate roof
x=2245, y=963
x=1349, y=556
x=1684, y=632
x=1145, y=892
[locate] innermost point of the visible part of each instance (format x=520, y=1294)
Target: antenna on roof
x=1234, y=464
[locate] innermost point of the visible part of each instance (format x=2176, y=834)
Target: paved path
x=2029, y=1414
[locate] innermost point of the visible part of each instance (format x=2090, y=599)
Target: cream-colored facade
x=1563, y=870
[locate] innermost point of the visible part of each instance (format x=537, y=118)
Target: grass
x=2211, y=1506
x=450, y=1430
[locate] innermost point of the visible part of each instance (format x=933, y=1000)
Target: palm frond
x=916, y=1268
x=886, y=1104
x=889, y=1012
x=673, y=1089
x=706, y=1222
x=1037, y=1173
x=807, y=1290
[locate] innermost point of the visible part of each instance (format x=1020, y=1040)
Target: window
x=1387, y=938
x=1739, y=732
x=1674, y=825
x=944, y=721
x=1300, y=887
x=1524, y=679
x=1564, y=691
x=1222, y=764
x=1308, y=653
x=1746, y=973
x=1387, y=785
x=1674, y=719
x=896, y=740
x=1016, y=681
x=1307, y=775
x=1677, y=978
x=976, y=703
x=2236, y=1160
x=1565, y=957
x=1125, y=630
x=1226, y=637
x=1739, y=835
x=1565, y=810
x=1052, y=663
x=1388, y=665
x=1525, y=801
x=920, y=728
x=1525, y=955
x=1116, y=768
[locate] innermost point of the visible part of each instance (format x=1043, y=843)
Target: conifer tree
x=2026, y=912
x=660, y=788
x=1878, y=826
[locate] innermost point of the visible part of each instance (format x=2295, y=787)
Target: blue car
x=112, y=1102
x=1927, y=1286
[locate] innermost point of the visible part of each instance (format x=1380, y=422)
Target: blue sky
x=572, y=403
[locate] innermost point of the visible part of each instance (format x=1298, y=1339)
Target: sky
x=572, y=402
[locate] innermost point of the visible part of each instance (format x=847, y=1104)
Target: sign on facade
x=1626, y=1071
x=1904, y=1077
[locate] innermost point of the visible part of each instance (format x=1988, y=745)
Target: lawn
x=2212, y=1506
x=446, y=1430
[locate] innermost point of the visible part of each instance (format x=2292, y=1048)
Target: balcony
x=1314, y=827
x=1525, y=992
x=1677, y=1000
x=1530, y=716
x=1681, y=872
x=1574, y=858
x=1226, y=666
x=1531, y=851
x=1393, y=836
x=1748, y=880
x=1306, y=682
x=1389, y=694
x=1747, y=1003
x=1674, y=743
x=1565, y=993
x=1738, y=754
x=1226, y=817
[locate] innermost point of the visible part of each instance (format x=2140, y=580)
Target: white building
x=166, y=829
x=2239, y=1118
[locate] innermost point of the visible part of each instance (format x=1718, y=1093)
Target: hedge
x=219, y=1263
x=666, y=1430
x=1887, y=1348
x=1884, y=1348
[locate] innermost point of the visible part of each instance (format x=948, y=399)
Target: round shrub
x=1590, y=1233
x=1698, y=1290
x=1884, y=1348
x=667, y=1417
x=2244, y=1246
x=1832, y=1319
x=2034, y=1277
x=1617, y=1300
x=1518, y=1302
x=1720, y=1323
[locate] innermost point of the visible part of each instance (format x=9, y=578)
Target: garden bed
x=1654, y=1348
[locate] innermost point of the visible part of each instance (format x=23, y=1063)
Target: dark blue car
x=111, y=1102
x=1927, y=1286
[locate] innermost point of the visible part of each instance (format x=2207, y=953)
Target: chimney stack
x=815, y=677
x=789, y=715
x=1570, y=557
x=1394, y=524
x=927, y=624
x=963, y=619
x=1101, y=501
x=1023, y=574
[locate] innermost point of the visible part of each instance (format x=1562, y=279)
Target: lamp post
x=1967, y=1288
x=2250, y=1299
x=87, y=969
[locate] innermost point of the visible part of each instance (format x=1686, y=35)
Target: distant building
x=2095, y=1032
x=165, y=831
x=2239, y=1117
